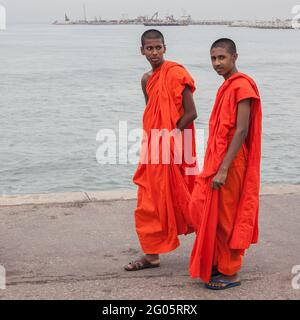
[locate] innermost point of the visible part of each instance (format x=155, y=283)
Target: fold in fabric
x=204, y=206
x=164, y=190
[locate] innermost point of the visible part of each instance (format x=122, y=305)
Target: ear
x=165, y=48
x=142, y=51
x=235, y=56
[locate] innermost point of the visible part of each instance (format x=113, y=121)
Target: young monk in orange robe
x=164, y=187
x=225, y=200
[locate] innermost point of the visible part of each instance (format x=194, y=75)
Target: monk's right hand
x=219, y=179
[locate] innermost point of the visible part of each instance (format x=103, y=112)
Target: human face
x=154, y=50
x=223, y=61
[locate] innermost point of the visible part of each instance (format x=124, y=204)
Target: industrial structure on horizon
x=185, y=20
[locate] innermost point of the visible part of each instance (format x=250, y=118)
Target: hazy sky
x=50, y=10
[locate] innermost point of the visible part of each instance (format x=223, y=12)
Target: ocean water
x=60, y=85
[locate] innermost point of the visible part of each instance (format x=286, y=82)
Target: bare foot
x=215, y=272
x=152, y=258
x=146, y=262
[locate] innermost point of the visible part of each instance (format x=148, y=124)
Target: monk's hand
x=219, y=179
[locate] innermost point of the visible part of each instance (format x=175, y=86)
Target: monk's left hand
x=219, y=179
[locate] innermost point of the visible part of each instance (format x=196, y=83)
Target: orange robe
x=164, y=190
x=226, y=220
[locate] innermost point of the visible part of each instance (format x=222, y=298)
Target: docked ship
x=168, y=21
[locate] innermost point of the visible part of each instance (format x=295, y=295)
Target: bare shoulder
x=146, y=77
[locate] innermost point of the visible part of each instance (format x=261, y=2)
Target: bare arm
x=190, y=112
x=144, y=81
x=243, y=118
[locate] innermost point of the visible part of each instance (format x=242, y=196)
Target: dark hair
x=152, y=34
x=225, y=43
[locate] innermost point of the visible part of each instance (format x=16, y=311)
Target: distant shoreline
x=238, y=24
x=259, y=24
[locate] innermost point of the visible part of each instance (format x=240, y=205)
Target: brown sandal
x=141, y=264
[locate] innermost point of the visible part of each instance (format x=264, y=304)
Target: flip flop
x=227, y=284
x=140, y=265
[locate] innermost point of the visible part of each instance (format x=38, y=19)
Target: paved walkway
x=76, y=250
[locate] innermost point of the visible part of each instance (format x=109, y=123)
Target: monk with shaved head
x=163, y=179
x=225, y=200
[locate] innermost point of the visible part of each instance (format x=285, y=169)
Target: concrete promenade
x=74, y=246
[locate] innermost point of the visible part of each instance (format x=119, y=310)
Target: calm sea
x=60, y=85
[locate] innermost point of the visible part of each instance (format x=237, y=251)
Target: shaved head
x=152, y=34
x=228, y=44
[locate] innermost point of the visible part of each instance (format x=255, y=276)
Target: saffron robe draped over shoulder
x=164, y=189
x=205, y=206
